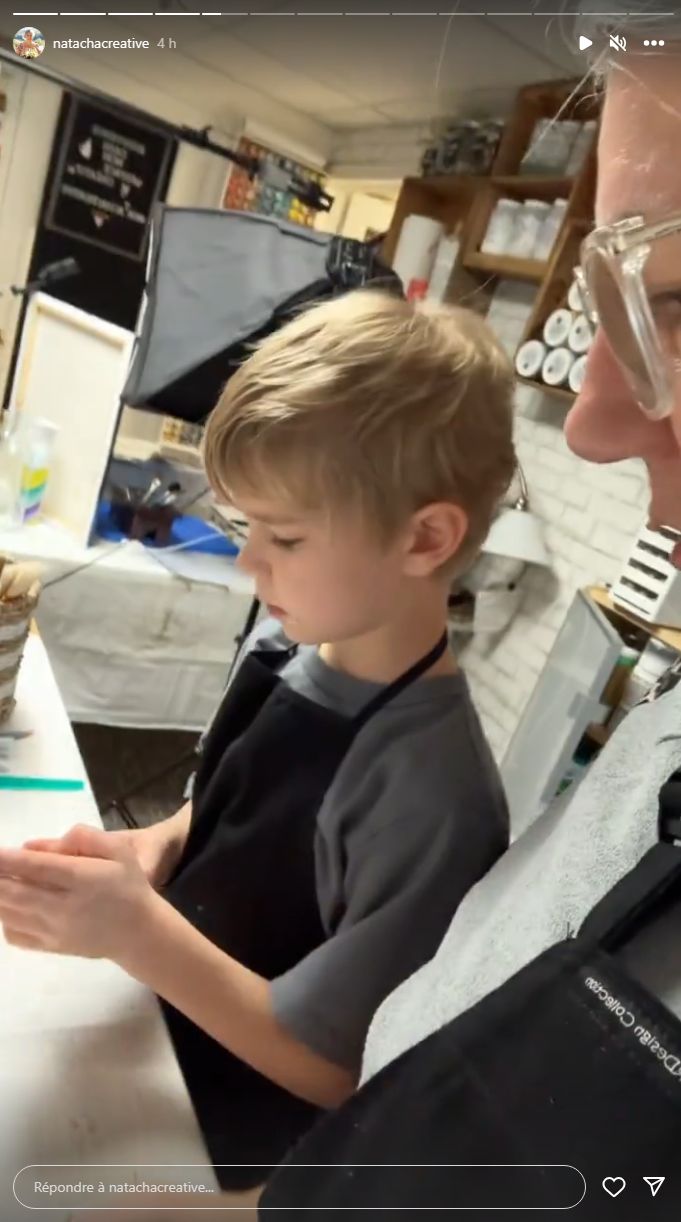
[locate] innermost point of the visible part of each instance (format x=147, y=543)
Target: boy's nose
x=249, y=558
x=244, y=559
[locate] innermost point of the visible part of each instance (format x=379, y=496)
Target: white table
x=131, y=643
x=87, y=1071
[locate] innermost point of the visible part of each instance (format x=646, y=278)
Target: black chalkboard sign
x=109, y=177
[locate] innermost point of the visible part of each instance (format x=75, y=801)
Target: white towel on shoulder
x=546, y=883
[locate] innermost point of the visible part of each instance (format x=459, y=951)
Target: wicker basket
x=15, y=623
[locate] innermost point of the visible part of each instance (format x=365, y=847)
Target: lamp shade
x=518, y=535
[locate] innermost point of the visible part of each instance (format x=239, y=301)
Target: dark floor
x=120, y=762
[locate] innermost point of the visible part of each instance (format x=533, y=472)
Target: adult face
x=638, y=175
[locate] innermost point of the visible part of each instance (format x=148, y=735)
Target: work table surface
x=130, y=642
x=87, y=1070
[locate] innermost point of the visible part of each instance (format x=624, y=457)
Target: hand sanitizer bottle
x=36, y=441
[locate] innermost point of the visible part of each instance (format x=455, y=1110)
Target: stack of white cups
x=559, y=357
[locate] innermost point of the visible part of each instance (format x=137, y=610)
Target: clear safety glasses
x=630, y=284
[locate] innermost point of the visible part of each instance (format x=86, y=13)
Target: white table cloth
x=130, y=643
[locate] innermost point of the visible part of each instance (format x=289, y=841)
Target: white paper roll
x=445, y=258
x=416, y=248
x=577, y=374
x=557, y=328
x=529, y=358
x=579, y=339
x=557, y=366
x=574, y=298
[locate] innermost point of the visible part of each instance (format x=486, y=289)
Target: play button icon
x=584, y=43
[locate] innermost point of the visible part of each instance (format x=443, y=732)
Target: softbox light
x=217, y=282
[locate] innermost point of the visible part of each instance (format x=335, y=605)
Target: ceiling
x=358, y=71
x=343, y=72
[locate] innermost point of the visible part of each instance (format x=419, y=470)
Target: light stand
x=310, y=193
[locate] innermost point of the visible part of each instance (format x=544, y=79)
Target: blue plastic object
x=188, y=530
x=192, y=533
x=104, y=524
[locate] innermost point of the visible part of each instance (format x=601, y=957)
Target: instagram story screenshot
x=340, y=463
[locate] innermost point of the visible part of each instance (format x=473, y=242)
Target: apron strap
x=670, y=808
x=398, y=685
x=636, y=900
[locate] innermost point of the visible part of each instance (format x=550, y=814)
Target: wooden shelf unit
x=553, y=294
x=505, y=266
x=598, y=733
x=603, y=599
x=538, y=186
x=554, y=392
x=448, y=199
x=464, y=203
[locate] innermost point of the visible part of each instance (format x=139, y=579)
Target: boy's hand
x=88, y=903
x=148, y=845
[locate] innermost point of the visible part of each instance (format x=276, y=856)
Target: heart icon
x=614, y=1184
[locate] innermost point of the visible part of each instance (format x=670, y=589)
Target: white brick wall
x=591, y=515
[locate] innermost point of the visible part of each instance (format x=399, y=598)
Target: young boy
x=346, y=799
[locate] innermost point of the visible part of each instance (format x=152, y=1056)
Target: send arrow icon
x=654, y=1183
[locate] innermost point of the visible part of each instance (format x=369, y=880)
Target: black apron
x=567, y=1075
x=247, y=881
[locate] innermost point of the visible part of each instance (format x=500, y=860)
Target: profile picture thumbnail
x=29, y=42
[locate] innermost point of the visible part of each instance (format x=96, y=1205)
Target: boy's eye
x=287, y=544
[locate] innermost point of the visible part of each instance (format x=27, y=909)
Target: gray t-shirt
x=414, y=816
x=547, y=883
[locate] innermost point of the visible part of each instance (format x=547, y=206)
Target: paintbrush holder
x=15, y=623
x=150, y=524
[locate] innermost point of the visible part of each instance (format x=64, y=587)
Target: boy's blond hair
x=370, y=401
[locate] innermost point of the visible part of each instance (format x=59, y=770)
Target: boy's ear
x=436, y=534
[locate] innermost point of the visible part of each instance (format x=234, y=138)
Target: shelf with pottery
x=557, y=304
x=463, y=206
x=449, y=198
x=455, y=199
x=527, y=200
